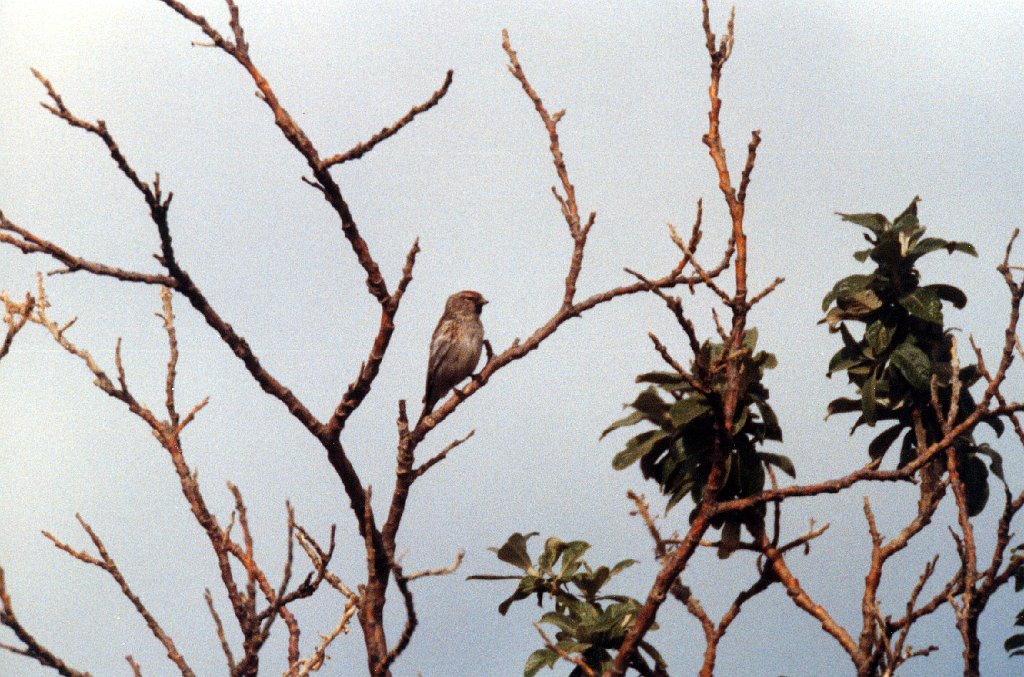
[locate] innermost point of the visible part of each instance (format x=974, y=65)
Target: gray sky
x=861, y=106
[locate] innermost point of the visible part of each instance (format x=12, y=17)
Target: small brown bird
x=455, y=346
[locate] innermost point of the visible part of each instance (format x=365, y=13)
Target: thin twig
x=361, y=149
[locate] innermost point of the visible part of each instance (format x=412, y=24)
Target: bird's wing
x=441, y=344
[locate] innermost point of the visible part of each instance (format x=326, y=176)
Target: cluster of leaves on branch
x=590, y=625
x=706, y=426
x=678, y=453
x=906, y=356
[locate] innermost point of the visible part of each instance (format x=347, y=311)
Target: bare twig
x=16, y=316
x=225, y=647
x=33, y=648
x=361, y=149
x=107, y=563
x=443, y=571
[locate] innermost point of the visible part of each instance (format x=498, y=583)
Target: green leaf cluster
x=587, y=622
x=903, y=346
x=677, y=453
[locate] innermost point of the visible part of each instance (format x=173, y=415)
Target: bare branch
x=225, y=647
x=107, y=563
x=305, y=666
x=443, y=454
x=360, y=388
x=361, y=149
x=804, y=601
x=28, y=243
x=16, y=316
x=33, y=648
x=451, y=568
x=570, y=209
x=755, y=141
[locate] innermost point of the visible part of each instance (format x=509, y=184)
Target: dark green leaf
x=876, y=223
x=561, y=622
x=975, y=478
x=881, y=444
x=970, y=375
x=572, y=646
x=730, y=539
x=513, y=551
x=750, y=339
x=632, y=419
x=849, y=342
x=867, y=400
x=862, y=255
x=541, y=658
x=779, y=461
x=741, y=420
x=879, y=335
x=585, y=612
x=923, y=303
x=908, y=449
x=660, y=378
x=931, y=244
x=907, y=221
x=915, y=366
x=679, y=493
x=651, y=404
x=845, y=288
x=615, y=619
x=772, y=430
x=860, y=303
x=751, y=473
x=843, y=405
x=995, y=423
x=527, y=586
x=1014, y=642
x=553, y=547
x=995, y=460
x=767, y=360
x=948, y=292
x=686, y=410
x=964, y=247
x=624, y=564
x=844, y=359
x=591, y=583
x=927, y=246
x=638, y=446
x=571, y=558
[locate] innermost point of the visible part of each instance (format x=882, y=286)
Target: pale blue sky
x=861, y=106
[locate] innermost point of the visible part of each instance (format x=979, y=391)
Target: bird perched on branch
x=455, y=346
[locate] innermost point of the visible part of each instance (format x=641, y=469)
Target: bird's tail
x=428, y=407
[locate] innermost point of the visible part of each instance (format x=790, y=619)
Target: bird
x=455, y=346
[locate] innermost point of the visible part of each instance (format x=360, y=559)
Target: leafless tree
x=255, y=602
